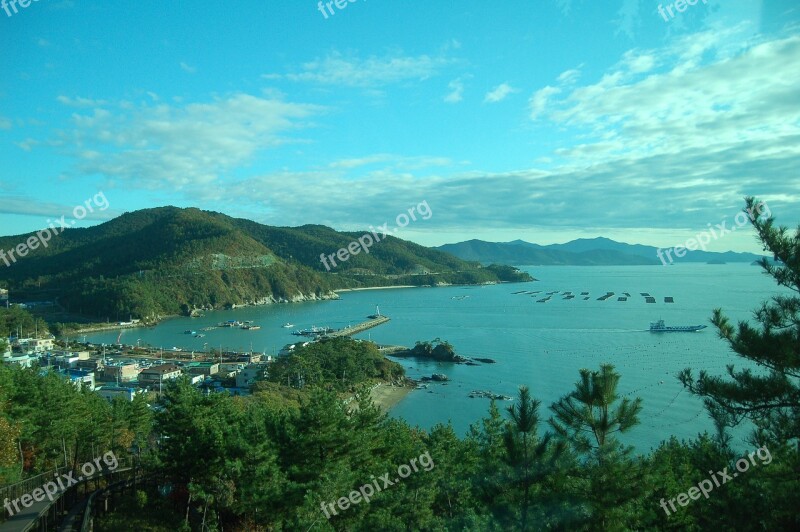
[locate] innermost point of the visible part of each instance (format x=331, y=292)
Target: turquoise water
x=542, y=345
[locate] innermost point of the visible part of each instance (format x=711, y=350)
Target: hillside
x=165, y=261
x=580, y=252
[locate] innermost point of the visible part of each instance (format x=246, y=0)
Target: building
x=110, y=392
x=90, y=365
x=34, y=345
x=121, y=372
x=158, y=374
x=26, y=361
x=250, y=374
x=250, y=358
x=202, y=368
x=79, y=377
x=228, y=370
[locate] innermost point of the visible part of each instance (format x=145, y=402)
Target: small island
x=439, y=350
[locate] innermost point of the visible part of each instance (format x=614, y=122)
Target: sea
x=542, y=345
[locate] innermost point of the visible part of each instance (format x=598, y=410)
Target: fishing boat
x=659, y=326
x=287, y=325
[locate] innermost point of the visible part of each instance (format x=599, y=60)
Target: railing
x=53, y=512
x=106, y=497
x=17, y=490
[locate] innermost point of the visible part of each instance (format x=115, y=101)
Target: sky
x=545, y=121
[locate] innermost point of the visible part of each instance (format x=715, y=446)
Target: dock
x=360, y=327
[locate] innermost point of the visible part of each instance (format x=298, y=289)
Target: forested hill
x=167, y=260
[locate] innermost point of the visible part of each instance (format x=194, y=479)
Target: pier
x=360, y=327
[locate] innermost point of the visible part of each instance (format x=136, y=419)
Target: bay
x=541, y=345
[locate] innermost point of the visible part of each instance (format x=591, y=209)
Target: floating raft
x=650, y=299
x=622, y=298
x=669, y=299
x=603, y=298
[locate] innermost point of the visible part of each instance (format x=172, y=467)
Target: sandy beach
x=386, y=396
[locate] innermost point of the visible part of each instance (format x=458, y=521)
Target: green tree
x=769, y=396
x=588, y=418
x=766, y=390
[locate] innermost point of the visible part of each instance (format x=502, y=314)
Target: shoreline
x=373, y=288
x=386, y=397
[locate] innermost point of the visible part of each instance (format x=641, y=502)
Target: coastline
x=373, y=288
x=385, y=396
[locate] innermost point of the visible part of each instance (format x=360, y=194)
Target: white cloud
x=568, y=77
x=161, y=146
x=499, y=93
x=665, y=138
x=456, y=91
x=538, y=102
x=337, y=69
x=80, y=102
x=5, y=123
x=188, y=68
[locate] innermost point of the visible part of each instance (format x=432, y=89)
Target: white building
x=250, y=374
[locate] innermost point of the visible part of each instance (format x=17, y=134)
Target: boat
x=199, y=335
x=659, y=326
x=313, y=331
x=287, y=325
x=249, y=327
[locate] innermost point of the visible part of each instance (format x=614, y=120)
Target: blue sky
x=546, y=121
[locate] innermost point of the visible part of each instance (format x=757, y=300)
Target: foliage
x=340, y=363
x=767, y=390
x=157, y=262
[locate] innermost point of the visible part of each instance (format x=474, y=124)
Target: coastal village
x=120, y=370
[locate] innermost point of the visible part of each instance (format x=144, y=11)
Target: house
x=159, y=374
x=250, y=374
x=250, y=358
x=110, y=392
x=26, y=361
x=121, y=372
x=79, y=377
x=34, y=345
x=202, y=368
x=90, y=365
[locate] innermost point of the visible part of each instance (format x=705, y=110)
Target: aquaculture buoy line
x=568, y=294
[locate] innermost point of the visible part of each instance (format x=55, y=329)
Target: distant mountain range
x=582, y=252
x=166, y=261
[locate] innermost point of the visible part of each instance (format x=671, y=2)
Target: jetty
x=359, y=327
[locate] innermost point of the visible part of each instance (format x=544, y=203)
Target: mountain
x=581, y=252
x=167, y=260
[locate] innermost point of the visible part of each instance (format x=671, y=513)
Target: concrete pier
x=360, y=327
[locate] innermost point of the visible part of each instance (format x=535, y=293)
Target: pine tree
x=587, y=418
x=770, y=395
